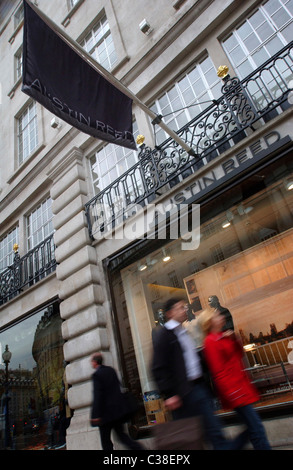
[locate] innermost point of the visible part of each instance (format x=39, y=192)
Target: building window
x=193, y=92
x=18, y=16
x=173, y=279
x=27, y=132
x=110, y=162
x=193, y=266
x=72, y=3
x=6, y=248
x=99, y=44
x=217, y=253
x=260, y=36
x=39, y=224
x=18, y=64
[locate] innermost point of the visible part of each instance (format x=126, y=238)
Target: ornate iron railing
x=243, y=105
x=27, y=270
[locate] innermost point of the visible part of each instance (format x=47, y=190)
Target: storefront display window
x=32, y=390
x=243, y=266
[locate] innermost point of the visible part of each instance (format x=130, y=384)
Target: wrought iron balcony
x=27, y=270
x=243, y=106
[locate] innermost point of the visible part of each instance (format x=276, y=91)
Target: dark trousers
x=118, y=426
x=256, y=430
x=199, y=402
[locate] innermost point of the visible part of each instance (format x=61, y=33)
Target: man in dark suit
x=109, y=405
x=178, y=373
x=215, y=303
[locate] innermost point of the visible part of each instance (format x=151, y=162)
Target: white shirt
x=191, y=359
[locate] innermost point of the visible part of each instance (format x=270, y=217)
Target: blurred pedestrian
x=109, y=405
x=177, y=371
x=224, y=356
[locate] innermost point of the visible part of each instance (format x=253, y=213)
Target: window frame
x=188, y=109
x=91, y=45
x=43, y=207
x=11, y=239
x=249, y=56
x=31, y=126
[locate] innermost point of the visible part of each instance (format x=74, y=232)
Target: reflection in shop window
x=217, y=253
x=194, y=267
x=174, y=281
x=250, y=272
x=36, y=381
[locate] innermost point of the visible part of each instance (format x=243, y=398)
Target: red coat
x=224, y=359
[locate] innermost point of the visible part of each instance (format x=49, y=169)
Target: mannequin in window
x=215, y=303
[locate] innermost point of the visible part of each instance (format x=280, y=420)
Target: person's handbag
x=181, y=434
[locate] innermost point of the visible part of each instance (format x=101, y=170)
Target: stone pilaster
x=81, y=294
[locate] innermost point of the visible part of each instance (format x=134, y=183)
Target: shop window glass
x=247, y=263
x=36, y=390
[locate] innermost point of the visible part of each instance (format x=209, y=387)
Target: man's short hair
x=98, y=358
x=171, y=302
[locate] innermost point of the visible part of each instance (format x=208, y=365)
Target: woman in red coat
x=223, y=354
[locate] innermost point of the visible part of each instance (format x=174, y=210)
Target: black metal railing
x=27, y=270
x=243, y=106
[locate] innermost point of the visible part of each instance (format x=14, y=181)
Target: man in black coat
x=215, y=303
x=109, y=405
x=178, y=373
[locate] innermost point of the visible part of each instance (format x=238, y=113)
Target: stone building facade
x=167, y=53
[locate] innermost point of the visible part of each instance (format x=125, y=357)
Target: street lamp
x=6, y=356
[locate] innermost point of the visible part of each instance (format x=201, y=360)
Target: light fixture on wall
x=289, y=185
x=252, y=348
x=166, y=257
x=226, y=224
x=229, y=218
x=145, y=27
x=244, y=210
x=55, y=123
x=142, y=267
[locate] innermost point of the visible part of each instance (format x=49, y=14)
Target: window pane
x=39, y=224
x=104, y=167
x=260, y=56
x=267, y=27
x=99, y=43
x=288, y=32
x=36, y=386
x=6, y=248
x=27, y=132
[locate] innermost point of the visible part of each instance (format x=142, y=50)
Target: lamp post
x=6, y=359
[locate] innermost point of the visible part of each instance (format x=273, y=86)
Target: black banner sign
x=63, y=82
